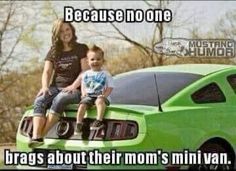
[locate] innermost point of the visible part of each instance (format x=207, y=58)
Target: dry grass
x=12, y=147
x=133, y=59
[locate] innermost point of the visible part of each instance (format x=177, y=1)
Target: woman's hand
x=43, y=91
x=69, y=89
x=83, y=96
x=101, y=96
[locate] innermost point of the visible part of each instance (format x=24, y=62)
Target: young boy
x=96, y=86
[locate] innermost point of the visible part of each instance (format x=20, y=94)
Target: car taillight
x=26, y=127
x=117, y=130
x=64, y=129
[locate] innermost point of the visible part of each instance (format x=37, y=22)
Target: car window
x=232, y=81
x=210, y=93
x=140, y=88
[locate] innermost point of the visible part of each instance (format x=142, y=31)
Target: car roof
x=200, y=69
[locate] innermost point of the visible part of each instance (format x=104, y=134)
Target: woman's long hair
x=57, y=45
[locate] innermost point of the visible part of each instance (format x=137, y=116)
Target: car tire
x=213, y=148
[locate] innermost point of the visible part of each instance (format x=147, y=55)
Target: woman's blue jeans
x=56, y=102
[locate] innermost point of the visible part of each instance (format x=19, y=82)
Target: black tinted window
x=211, y=93
x=140, y=88
x=232, y=81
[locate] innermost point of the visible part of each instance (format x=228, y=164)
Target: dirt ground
x=11, y=146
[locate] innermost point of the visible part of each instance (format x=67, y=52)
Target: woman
x=63, y=63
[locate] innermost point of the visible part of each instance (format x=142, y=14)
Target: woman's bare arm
x=46, y=78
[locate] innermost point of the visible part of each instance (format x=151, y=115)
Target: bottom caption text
x=113, y=157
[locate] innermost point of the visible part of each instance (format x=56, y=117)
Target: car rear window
x=141, y=89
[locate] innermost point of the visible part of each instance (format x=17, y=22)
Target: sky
x=202, y=15
x=208, y=12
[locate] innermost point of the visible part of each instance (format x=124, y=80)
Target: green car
x=176, y=116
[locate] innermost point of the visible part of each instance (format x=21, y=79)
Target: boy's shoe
x=97, y=124
x=35, y=142
x=78, y=128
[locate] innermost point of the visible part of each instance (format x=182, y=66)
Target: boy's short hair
x=97, y=50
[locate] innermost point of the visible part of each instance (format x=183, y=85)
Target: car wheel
x=213, y=148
